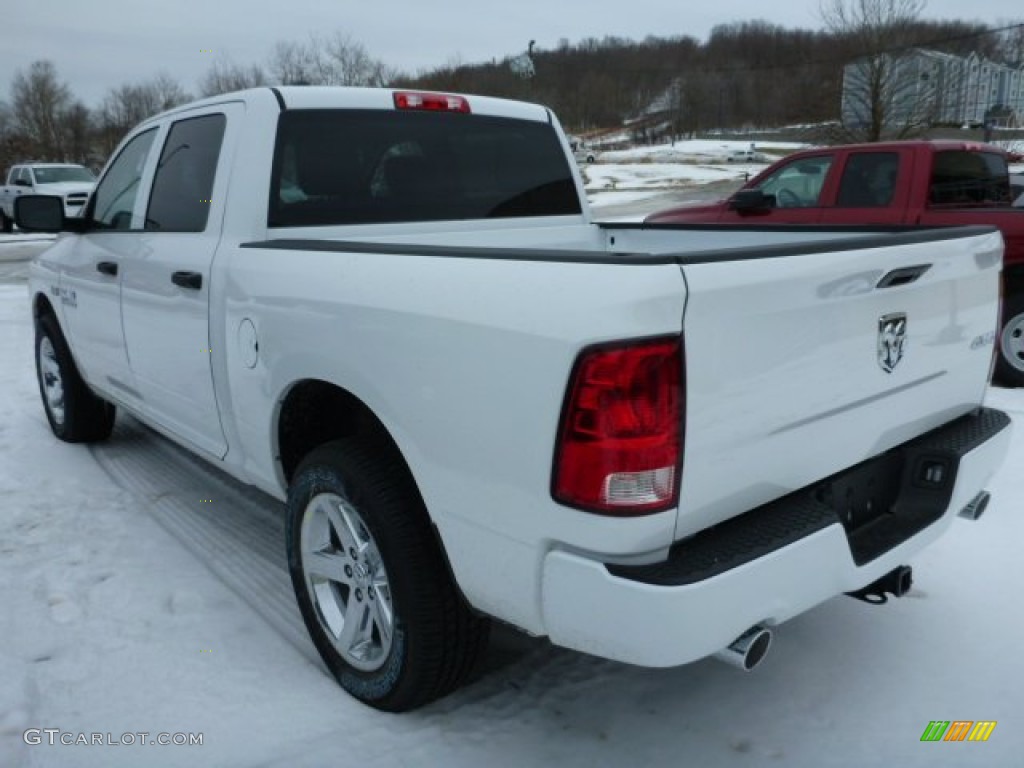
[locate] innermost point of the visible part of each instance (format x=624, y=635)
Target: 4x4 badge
x=892, y=339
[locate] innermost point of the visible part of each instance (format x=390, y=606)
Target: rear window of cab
x=342, y=167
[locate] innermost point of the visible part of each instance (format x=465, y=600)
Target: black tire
x=1010, y=343
x=6, y=225
x=76, y=415
x=436, y=641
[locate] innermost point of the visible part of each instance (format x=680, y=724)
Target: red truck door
x=874, y=188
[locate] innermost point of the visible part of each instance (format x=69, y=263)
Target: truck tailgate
x=799, y=366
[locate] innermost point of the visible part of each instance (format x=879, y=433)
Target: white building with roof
x=923, y=87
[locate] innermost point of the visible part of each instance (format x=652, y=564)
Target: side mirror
x=751, y=200
x=22, y=183
x=40, y=213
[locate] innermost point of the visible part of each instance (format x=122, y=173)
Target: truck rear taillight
x=430, y=102
x=620, y=439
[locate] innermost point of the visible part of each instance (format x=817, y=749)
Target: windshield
x=54, y=174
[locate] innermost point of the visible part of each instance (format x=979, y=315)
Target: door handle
x=191, y=280
x=107, y=268
x=903, y=276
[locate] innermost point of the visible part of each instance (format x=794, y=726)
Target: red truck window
x=960, y=177
x=798, y=184
x=869, y=180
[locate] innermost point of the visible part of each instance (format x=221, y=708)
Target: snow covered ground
x=141, y=591
x=701, y=149
x=636, y=181
x=620, y=177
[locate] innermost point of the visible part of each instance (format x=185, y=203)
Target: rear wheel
x=75, y=414
x=372, y=583
x=1010, y=355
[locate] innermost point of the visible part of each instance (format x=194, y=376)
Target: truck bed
x=780, y=329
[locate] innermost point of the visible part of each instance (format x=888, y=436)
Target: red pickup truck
x=930, y=183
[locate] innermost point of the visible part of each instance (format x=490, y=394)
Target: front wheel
x=76, y=415
x=372, y=583
x=1010, y=355
x=6, y=225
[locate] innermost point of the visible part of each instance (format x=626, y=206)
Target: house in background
x=920, y=88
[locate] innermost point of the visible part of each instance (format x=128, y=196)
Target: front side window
x=799, y=184
x=334, y=167
x=115, y=197
x=180, y=200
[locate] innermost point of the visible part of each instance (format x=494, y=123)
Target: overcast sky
x=99, y=44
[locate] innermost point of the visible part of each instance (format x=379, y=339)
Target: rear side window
x=965, y=178
x=869, y=180
x=364, y=166
x=180, y=200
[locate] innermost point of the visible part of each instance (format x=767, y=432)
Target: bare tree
x=39, y=99
x=328, y=60
x=351, y=64
x=167, y=92
x=880, y=93
x=8, y=139
x=873, y=26
x=6, y=121
x=1010, y=42
x=78, y=130
x=293, y=63
x=131, y=103
x=225, y=76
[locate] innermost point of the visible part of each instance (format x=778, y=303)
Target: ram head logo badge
x=892, y=338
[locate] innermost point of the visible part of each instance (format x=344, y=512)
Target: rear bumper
x=765, y=566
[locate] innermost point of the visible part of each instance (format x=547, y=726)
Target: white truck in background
x=72, y=183
x=392, y=311
x=581, y=151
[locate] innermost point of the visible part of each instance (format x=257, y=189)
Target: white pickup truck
x=392, y=311
x=71, y=182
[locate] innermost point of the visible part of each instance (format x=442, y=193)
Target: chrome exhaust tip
x=976, y=507
x=747, y=650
